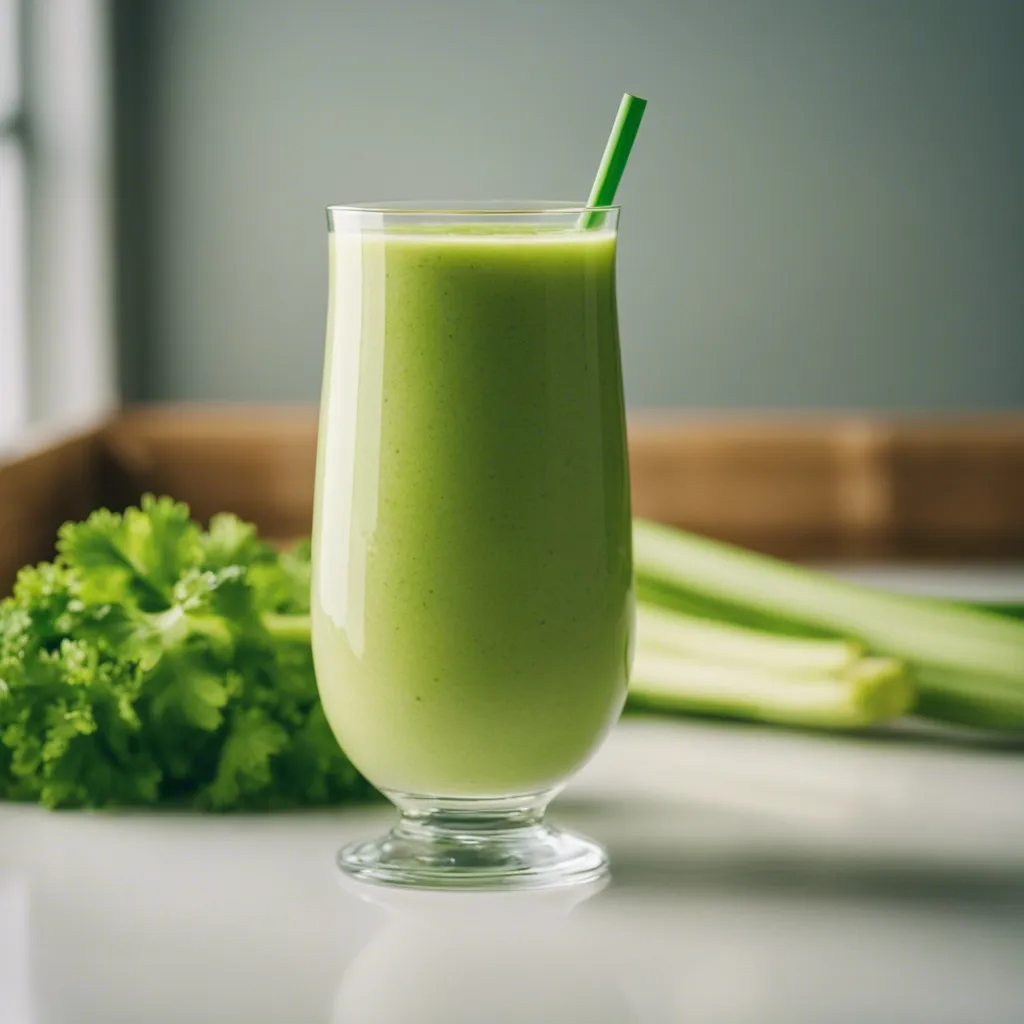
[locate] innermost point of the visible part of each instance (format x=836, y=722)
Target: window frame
x=63, y=371
x=13, y=234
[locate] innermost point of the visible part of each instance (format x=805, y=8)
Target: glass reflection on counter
x=498, y=957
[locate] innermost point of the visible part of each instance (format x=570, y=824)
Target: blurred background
x=823, y=210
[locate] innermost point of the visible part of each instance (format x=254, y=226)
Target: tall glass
x=472, y=609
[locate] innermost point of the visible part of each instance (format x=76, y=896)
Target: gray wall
x=824, y=207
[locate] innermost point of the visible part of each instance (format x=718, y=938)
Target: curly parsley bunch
x=154, y=662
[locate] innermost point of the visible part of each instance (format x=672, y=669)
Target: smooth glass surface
x=472, y=598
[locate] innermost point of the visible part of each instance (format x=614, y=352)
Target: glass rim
x=473, y=208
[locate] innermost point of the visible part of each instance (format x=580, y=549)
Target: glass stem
x=469, y=816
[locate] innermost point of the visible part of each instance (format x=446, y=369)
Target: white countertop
x=758, y=876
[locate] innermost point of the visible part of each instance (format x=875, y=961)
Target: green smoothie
x=472, y=595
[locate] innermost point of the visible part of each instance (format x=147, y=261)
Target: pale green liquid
x=472, y=603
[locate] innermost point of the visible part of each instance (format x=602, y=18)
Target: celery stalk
x=969, y=663
x=982, y=701
x=690, y=636
x=872, y=690
x=287, y=627
x=1009, y=609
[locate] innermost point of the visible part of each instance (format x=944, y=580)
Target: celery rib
x=873, y=691
x=287, y=627
x=690, y=636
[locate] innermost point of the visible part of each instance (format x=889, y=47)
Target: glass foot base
x=468, y=843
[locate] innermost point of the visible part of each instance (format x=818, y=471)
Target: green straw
x=616, y=153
